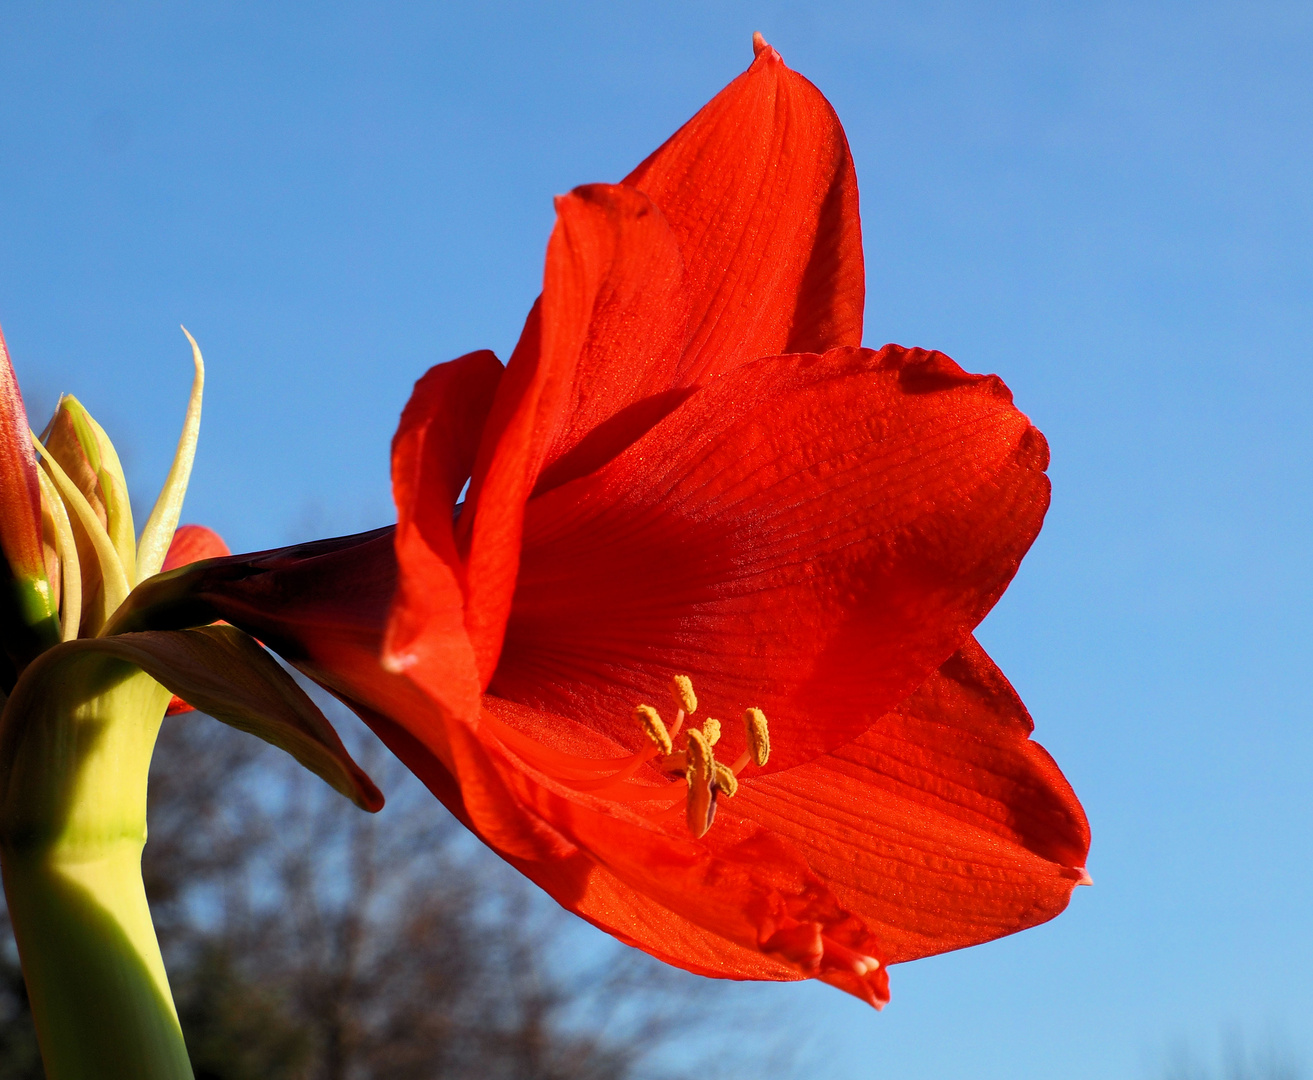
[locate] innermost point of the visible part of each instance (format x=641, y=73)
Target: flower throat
x=699, y=778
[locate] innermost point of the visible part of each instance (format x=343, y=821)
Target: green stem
x=75, y=749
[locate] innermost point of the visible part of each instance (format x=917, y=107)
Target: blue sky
x=1107, y=204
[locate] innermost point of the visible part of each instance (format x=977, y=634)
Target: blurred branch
x=1239, y=1062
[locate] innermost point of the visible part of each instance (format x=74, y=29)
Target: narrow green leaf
x=163, y=520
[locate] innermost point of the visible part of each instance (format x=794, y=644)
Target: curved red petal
x=619, y=269
x=943, y=825
x=432, y=455
x=588, y=889
x=809, y=535
x=759, y=188
x=608, y=329
x=192, y=543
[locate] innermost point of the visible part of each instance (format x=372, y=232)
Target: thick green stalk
x=75, y=751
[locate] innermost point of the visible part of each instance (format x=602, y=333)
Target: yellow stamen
x=698, y=752
x=700, y=810
x=696, y=778
x=653, y=727
x=681, y=689
x=758, y=737
x=675, y=763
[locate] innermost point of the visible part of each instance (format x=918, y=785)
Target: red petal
x=587, y=888
x=615, y=268
x=192, y=543
x=20, y=492
x=941, y=827
x=432, y=454
x=591, y=891
x=809, y=535
x=721, y=886
x=739, y=882
x=760, y=190
x=608, y=328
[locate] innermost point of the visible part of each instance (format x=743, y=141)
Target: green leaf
x=224, y=672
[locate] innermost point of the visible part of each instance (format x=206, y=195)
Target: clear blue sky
x=1106, y=203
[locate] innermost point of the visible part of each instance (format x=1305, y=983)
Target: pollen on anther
x=653, y=727
x=725, y=780
x=758, y=737
x=699, y=755
x=711, y=729
x=681, y=689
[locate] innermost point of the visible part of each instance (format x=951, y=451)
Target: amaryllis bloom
x=695, y=650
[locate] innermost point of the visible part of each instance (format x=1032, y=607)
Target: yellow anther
x=711, y=729
x=681, y=689
x=675, y=764
x=698, y=754
x=653, y=727
x=758, y=737
x=725, y=780
x=701, y=807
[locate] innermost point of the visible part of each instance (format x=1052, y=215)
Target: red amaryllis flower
x=689, y=467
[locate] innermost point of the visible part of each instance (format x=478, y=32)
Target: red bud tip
x=192, y=543
x=20, y=492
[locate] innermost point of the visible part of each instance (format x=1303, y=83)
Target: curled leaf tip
x=163, y=520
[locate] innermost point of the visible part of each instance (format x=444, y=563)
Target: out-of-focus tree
x=1239, y=1062
x=306, y=940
